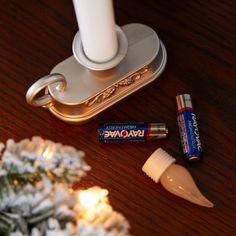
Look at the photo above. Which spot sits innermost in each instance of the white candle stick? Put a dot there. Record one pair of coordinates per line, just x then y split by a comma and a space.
97, 28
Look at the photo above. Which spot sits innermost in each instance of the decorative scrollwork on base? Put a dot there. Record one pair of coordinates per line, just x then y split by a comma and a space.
113, 89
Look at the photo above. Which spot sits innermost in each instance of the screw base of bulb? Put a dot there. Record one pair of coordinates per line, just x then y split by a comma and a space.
157, 163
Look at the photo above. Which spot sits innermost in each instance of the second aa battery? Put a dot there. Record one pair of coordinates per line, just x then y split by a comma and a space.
188, 128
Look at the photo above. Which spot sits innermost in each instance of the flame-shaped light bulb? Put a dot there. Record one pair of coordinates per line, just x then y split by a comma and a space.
174, 178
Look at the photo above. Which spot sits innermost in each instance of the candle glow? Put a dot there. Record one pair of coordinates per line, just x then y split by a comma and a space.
91, 197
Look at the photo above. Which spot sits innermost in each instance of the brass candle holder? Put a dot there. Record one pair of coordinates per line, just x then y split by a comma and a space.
77, 89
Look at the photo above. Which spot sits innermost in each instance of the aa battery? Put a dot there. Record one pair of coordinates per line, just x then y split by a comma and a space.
137, 131
188, 128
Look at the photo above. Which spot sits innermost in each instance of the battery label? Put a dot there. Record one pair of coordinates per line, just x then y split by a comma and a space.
123, 132
189, 133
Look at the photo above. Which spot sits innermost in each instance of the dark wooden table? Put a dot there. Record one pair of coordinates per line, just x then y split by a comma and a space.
200, 37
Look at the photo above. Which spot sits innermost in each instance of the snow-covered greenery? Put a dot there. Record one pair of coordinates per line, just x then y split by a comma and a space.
36, 197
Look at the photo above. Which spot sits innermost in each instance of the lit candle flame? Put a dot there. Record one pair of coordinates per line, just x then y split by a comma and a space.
92, 196
48, 152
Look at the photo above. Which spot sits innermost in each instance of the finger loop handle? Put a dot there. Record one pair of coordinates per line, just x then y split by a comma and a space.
43, 83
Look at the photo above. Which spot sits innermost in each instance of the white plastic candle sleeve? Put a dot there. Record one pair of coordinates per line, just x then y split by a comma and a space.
97, 29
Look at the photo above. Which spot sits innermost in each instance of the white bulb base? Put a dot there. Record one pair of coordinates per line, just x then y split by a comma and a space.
157, 163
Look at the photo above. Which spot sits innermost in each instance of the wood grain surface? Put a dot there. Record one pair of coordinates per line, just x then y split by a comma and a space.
200, 37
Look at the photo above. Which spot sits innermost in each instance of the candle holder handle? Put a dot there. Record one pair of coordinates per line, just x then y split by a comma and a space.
42, 84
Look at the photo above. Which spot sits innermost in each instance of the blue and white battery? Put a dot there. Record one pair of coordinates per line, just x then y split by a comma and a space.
188, 128
135, 131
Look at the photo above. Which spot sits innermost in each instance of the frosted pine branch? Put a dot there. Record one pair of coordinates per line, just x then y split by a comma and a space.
35, 198
26, 162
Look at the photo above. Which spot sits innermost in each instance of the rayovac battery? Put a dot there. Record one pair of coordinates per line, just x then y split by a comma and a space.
138, 131
188, 128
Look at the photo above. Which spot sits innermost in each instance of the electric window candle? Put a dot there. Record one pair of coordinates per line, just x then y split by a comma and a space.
97, 29
174, 178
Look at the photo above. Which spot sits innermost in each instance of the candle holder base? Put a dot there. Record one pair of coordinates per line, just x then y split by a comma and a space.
75, 94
